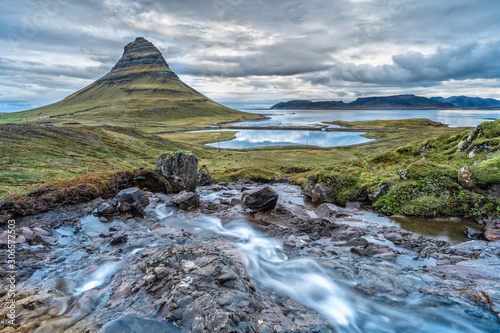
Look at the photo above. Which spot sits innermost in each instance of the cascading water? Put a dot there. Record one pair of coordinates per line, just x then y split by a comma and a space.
308, 283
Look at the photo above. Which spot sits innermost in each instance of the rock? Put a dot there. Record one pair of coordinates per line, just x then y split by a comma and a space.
235, 202
289, 244
382, 189
309, 186
27, 233
262, 200
103, 219
327, 210
131, 200
474, 134
321, 194
314, 236
106, 208
152, 181
464, 177
186, 200
474, 234
118, 240
492, 230
353, 205
403, 174
204, 178
180, 169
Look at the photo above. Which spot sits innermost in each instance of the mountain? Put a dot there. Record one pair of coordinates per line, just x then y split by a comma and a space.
141, 87
408, 102
469, 102
306, 105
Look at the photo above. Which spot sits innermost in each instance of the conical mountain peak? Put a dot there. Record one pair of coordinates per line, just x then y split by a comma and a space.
140, 87
140, 57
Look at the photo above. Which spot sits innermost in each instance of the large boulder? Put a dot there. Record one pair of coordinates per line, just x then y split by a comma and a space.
131, 200
186, 200
262, 200
180, 169
152, 180
309, 186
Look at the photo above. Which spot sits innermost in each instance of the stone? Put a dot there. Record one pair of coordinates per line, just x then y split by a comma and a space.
262, 200
180, 169
464, 177
118, 240
152, 181
473, 234
132, 201
321, 194
186, 200
27, 233
492, 230
382, 189
204, 178
309, 186
327, 210
106, 208
353, 205
289, 244
474, 134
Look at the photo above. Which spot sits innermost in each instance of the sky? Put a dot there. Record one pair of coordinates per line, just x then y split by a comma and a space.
255, 53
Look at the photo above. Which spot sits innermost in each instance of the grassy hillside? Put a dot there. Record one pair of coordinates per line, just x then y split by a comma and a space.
33, 154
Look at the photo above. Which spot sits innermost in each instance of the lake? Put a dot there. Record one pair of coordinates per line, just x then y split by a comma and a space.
259, 138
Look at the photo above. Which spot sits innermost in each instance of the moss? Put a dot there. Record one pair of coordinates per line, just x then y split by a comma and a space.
486, 173
491, 129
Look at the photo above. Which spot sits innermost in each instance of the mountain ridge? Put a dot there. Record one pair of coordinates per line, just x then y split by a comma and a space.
407, 102
469, 102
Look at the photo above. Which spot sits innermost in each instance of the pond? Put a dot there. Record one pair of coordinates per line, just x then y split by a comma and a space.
260, 138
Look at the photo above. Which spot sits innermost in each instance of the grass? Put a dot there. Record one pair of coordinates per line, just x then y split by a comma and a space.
426, 156
35, 154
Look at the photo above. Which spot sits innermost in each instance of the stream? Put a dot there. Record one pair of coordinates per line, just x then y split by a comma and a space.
133, 273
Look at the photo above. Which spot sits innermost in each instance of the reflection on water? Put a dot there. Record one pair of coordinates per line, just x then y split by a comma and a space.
454, 118
259, 138
450, 231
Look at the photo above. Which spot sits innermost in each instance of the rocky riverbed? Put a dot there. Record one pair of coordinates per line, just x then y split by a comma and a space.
223, 267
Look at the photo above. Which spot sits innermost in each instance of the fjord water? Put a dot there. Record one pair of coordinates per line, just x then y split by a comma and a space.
453, 118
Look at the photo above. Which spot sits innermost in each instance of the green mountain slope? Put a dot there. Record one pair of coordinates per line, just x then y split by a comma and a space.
139, 88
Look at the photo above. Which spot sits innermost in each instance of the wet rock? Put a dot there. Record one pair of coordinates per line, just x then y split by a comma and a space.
372, 250
103, 219
262, 200
328, 210
180, 169
106, 208
27, 233
321, 193
474, 234
362, 242
235, 202
131, 200
204, 178
314, 236
186, 200
122, 239
132, 324
492, 230
289, 244
352, 205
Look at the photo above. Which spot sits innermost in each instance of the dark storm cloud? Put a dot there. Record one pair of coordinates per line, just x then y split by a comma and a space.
469, 61
273, 47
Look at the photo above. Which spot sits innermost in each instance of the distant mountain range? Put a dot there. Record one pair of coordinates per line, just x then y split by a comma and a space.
469, 102
405, 102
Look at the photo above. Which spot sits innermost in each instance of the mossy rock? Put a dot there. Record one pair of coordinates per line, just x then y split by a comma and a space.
486, 173
491, 129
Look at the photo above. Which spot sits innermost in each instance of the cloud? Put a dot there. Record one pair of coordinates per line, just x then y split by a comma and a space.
272, 49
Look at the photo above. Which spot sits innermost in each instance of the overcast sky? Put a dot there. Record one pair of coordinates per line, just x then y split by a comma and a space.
254, 53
